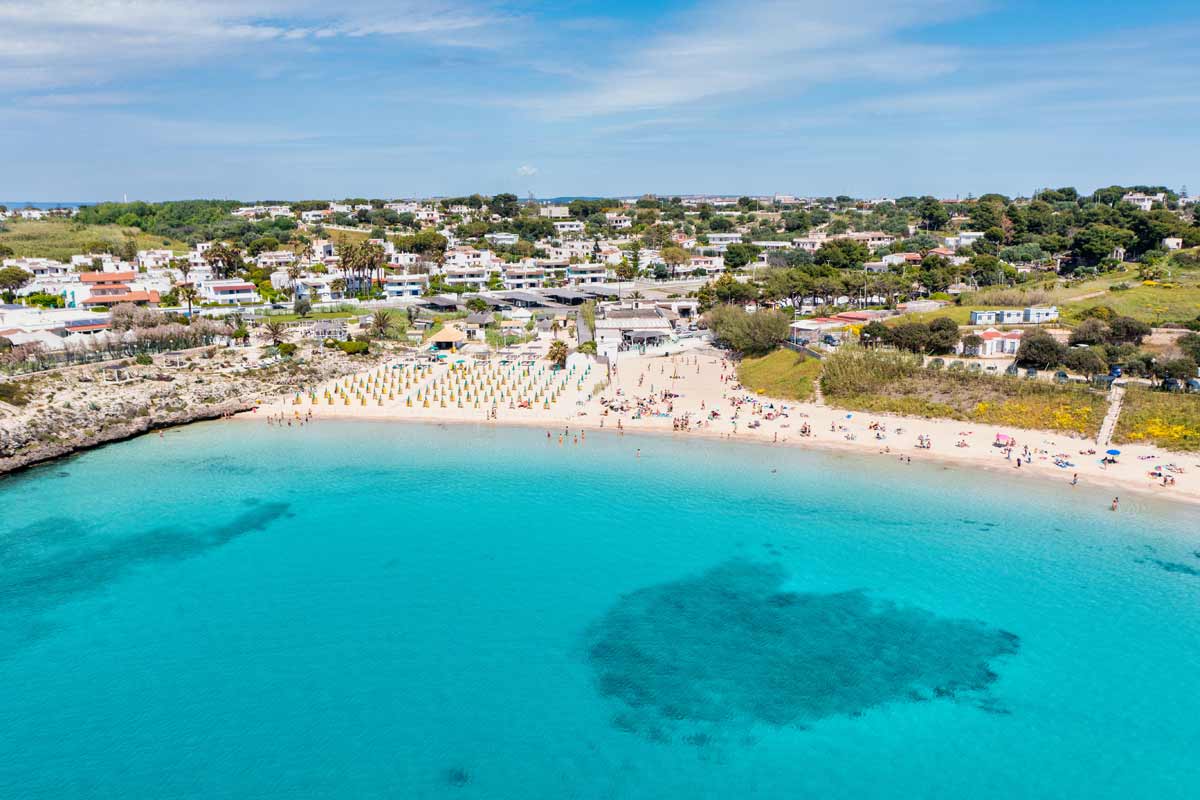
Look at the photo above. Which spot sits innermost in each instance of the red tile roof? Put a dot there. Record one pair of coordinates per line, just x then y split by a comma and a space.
106, 277
127, 297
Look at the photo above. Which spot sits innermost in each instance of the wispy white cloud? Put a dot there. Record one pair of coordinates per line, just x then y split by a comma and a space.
72, 100
47, 43
726, 48
527, 170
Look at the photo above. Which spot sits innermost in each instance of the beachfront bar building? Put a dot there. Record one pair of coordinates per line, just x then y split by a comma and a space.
636, 327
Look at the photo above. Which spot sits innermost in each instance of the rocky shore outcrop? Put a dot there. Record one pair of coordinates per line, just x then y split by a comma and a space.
55, 414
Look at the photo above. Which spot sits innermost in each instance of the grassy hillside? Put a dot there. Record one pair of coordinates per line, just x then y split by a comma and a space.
1154, 302
784, 374
61, 239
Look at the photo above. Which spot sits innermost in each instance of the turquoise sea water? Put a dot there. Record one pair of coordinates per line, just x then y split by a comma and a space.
370, 610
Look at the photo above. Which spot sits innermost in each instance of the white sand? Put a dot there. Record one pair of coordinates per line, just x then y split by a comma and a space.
703, 382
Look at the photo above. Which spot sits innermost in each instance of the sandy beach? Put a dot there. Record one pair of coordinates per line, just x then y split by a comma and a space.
698, 395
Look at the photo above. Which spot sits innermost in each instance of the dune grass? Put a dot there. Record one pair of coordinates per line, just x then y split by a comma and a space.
1165, 419
889, 382
61, 239
784, 373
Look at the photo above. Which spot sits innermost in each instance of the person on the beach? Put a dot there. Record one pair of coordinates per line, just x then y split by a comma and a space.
1075, 479
1116, 501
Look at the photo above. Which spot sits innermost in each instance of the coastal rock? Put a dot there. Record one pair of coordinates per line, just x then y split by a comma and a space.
74, 409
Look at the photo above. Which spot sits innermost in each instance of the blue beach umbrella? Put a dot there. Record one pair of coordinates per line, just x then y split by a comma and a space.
1113, 452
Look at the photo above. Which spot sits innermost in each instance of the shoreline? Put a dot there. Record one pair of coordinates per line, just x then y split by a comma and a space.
45, 455
948, 461
698, 394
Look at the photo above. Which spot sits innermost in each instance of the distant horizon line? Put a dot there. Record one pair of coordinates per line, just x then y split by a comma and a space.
11, 204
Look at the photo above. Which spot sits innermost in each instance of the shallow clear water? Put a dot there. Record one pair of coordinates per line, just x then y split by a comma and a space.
372, 610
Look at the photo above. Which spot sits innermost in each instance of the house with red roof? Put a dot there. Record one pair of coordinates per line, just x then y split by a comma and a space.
110, 288
995, 344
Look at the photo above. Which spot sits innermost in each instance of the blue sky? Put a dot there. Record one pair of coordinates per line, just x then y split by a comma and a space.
259, 99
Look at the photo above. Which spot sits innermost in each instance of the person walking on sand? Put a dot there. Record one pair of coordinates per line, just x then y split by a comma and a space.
1075, 479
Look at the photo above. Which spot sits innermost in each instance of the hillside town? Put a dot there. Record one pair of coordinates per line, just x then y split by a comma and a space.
833, 264
1035, 312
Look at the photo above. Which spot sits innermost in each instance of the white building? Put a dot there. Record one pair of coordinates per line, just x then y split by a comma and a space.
154, 259
724, 239
963, 239
320, 288
709, 264
40, 267
1143, 201
274, 259
622, 328
407, 285
572, 226
502, 239
586, 273
554, 212
475, 278
995, 344
523, 277
229, 292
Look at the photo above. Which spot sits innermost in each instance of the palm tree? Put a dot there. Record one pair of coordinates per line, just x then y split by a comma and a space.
184, 267
188, 294
277, 332
348, 258
558, 353
372, 259
294, 272
223, 258
381, 324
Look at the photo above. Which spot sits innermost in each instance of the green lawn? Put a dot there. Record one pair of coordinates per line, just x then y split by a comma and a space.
1152, 303
784, 374
960, 314
61, 239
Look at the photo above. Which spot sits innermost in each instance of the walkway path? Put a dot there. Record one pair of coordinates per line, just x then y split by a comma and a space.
1116, 397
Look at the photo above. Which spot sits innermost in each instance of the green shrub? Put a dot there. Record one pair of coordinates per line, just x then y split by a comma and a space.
144, 359
14, 393
287, 349
353, 348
